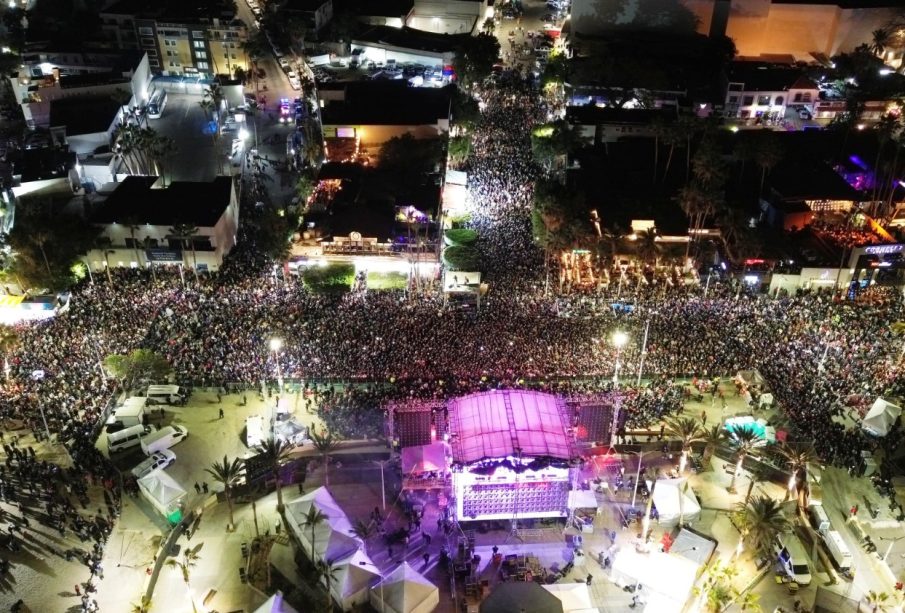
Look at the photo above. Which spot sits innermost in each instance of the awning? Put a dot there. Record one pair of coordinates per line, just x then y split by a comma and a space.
582, 499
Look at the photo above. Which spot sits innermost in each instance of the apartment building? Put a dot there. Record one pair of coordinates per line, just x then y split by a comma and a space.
179, 39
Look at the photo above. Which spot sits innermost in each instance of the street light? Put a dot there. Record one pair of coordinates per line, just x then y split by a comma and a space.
640, 455
644, 348
619, 340
275, 345
383, 489
382, 603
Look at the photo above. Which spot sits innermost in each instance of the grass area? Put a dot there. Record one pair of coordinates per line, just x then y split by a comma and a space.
387, 280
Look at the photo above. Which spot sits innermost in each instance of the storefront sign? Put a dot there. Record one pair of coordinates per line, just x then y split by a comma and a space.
164, 255
884, 249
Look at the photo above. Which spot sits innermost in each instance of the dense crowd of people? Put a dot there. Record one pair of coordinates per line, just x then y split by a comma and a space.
823, 359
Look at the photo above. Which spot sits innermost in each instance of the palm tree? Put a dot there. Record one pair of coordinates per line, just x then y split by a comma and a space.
648, 247
687, 431
133, 224
39, 238
228, 473
798, 457
142, 606
325, 445
328, 573
185, 234
214, 94
761, 521
9, 340
759, 473
613, 236
189, 560
767, 154
744, 441
364, 530
713, 437
313, 518
276, 453
878, 602
880, 41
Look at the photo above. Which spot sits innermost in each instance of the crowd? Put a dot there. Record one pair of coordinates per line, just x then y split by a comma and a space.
822, 358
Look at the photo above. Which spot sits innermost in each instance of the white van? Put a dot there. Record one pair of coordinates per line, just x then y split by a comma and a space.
130, 437
792, 558
163, 439
254, 431
819, 519
838, 549
164, 394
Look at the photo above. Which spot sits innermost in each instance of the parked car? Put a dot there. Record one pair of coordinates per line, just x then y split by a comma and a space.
285, 110
804, 114
156, 461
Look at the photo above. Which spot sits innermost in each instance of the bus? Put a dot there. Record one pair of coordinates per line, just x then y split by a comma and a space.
157, 103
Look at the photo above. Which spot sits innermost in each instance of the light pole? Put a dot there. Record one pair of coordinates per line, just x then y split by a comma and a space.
707, 285
275, 345
892, 541
619, 340
643, 349
640, 455
383, 489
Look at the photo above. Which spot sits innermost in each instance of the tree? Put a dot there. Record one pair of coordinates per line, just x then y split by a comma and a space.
719, 591
143, 605
648, 247
613, 237
880, 41
475, 58
687, 431
276, 453
185, 234
189, 560
761, 520
798, 457
139, 366
312, 519
304, 187
407, 158
328, 574
122, 98
488, 26
462, 258
744, 441
712, 437
214, 94
459, 149
228, 473
325, 445
879, 602
364, 530
767, 154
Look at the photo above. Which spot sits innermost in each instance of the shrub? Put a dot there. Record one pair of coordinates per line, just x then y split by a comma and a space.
460, 236
461, 258
337, 277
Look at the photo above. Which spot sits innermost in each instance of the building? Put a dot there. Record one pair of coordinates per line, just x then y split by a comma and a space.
607, 125
801, 190
349, 113
49, 76
393, 13
386, 44
137, 219
179, 38
760, 90
314, 13
449, 16
805, 29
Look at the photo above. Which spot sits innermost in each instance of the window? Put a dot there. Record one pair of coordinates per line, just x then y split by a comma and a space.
154, 63
806, 97
234, 56
202, 65
169, 43
779, 100
133, 243
763, 101
146, 31
747, 100
174, 64
798, 97
199, 44
733, 99
197, 34
147, 42
201, 55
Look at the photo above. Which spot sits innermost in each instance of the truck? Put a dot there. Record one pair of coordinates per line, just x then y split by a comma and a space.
832, 540
131, 413
164, 394
254, 431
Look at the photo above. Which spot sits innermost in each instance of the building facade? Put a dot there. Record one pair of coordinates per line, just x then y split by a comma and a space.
764, 91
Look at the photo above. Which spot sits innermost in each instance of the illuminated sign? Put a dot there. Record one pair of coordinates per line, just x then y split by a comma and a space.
884, 249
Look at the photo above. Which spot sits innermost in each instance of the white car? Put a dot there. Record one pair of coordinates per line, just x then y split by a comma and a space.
157, 461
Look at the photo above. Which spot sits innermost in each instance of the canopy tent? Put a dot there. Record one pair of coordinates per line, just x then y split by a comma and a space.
405, 590
290, 430
751, 378
424, 459
674, 498
582, 499
276, 604
667, 579
164, 494
881, 417
574, 596
332, 538
521, 596
354, 575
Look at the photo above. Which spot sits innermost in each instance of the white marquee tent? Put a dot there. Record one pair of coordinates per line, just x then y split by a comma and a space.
667, 579
673, 497
354, 575
574, 596
333, 538
881, 417
164, 493
405, 590
276, 604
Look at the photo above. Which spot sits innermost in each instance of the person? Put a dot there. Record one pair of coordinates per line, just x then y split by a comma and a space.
588, 580
221, 412
426, 557
197, 487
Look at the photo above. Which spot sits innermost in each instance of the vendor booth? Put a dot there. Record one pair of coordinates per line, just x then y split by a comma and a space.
354, 576
405, 590
675, 502
164, 494
881, 417
332, 538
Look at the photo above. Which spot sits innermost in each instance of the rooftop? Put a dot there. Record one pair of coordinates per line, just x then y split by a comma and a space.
799, 179
122, 61
137, 201
590, 114
764, 77
409, 38
495, 424
399, 105
381, 8
191, 11
83, 114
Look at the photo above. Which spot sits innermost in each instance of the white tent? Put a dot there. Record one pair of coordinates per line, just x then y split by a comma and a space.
574, 596
163, 493
405, 590
333, 538
881, 417
674, 497
276, 604
750, 378
425, 459
354, 575
667, 579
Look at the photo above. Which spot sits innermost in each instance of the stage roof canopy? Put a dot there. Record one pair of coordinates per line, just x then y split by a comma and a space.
494, 424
